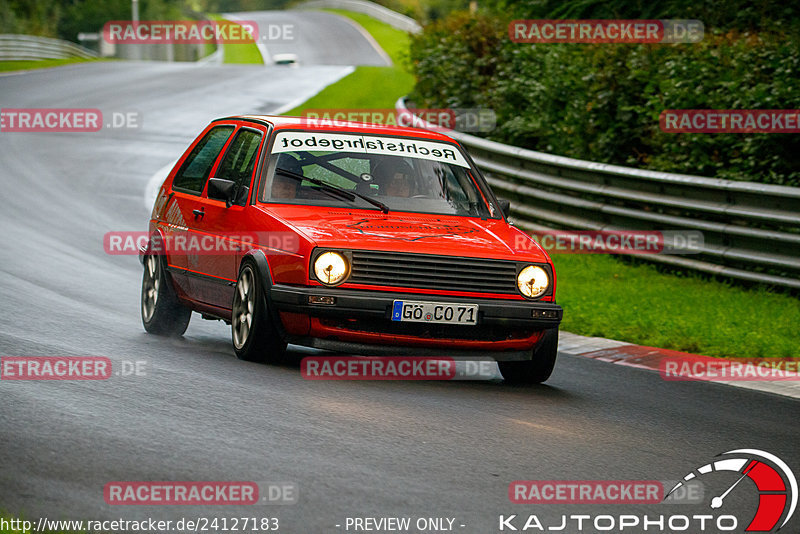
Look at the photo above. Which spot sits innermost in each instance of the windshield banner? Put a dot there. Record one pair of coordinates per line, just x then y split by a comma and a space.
366, 144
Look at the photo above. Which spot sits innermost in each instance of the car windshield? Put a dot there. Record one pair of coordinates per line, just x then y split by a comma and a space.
398, 174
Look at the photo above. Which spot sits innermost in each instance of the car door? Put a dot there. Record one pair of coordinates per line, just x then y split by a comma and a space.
220, 229
187, 186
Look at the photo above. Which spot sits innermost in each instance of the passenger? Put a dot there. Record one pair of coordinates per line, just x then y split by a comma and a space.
285, 187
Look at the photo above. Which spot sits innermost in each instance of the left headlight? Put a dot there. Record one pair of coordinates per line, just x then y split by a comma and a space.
331, 268
533, 281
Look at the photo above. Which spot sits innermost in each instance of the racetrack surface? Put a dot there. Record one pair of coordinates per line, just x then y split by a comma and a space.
355, 449
315, 38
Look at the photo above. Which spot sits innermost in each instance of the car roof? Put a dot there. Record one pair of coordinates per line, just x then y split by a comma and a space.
280, 122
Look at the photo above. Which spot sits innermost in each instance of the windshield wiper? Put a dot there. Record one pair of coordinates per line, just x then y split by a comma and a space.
343, 193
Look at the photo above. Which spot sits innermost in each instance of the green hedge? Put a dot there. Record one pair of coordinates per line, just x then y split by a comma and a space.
602, 102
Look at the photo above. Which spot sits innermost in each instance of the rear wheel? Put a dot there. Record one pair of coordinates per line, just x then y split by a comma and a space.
255, 338
538, 369
162, 312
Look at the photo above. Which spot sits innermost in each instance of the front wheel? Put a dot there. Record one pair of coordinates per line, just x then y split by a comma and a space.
538, 369
162, 312
255, 338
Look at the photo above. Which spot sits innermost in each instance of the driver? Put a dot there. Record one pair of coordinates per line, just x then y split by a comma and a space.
394, 178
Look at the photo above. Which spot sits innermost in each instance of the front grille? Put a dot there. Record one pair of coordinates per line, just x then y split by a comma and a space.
424, 271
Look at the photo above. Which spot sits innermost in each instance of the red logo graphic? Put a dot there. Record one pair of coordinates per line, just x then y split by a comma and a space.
180, 31
383, 368
55, 368
585, 491
730, 121
774, 481
181, 493
50, 120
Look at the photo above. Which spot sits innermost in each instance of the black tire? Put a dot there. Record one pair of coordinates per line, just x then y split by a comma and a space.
253, 332
538, 369
162, 312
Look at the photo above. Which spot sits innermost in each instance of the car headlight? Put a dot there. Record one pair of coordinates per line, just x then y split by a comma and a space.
331, 268
532, 281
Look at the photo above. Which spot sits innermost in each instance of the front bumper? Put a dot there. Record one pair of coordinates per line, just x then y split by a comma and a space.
360, 321
354, 303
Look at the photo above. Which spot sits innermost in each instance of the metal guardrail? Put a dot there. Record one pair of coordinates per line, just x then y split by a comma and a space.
30, 47
751, 231
377, 11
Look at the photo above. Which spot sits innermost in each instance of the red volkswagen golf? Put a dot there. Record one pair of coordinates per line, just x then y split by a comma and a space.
348, 237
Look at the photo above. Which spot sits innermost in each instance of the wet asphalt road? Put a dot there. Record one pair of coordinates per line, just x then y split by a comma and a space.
354, 449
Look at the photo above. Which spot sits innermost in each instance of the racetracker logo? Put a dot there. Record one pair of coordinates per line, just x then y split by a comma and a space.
61, 120
774, 482
585, 491
200, 244
730, 121
441, 120
396, 368
200, 493
387, 368
606, 31
613, 242
55, 368
180, 31
68, 368
720, 370
771, 485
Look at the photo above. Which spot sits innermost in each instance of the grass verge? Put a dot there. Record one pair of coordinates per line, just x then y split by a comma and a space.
601, 295
638, 303
11, 66
239, 53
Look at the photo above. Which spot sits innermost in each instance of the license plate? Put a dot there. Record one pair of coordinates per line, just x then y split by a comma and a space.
413, 311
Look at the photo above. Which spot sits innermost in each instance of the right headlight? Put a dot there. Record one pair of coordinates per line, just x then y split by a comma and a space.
533, 281
331, 268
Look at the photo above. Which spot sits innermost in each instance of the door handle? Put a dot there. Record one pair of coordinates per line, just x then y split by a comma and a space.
199, 213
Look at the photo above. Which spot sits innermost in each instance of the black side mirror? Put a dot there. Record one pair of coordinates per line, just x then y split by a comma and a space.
242, 196
220, 189
505, 206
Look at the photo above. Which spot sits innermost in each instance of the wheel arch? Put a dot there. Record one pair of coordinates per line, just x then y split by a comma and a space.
258, 257
155, 234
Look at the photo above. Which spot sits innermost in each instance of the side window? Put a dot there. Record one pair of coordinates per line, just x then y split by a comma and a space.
193, 173
239, 161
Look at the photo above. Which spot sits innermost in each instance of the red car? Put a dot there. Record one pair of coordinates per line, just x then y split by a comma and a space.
349, 237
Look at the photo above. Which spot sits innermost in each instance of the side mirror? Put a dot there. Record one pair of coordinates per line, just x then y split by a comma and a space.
242, 196
505, 206
220, 189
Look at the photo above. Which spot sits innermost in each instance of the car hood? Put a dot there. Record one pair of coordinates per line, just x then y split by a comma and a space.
410, 232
